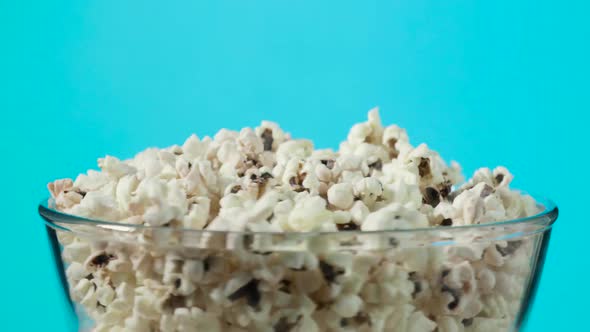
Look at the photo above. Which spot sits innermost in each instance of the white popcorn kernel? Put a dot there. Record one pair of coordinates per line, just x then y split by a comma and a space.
459, 291
469, 206
141, 262
229, 153
59, 186
311, 183
340, 195
75, 272
530, 207
183, 286
347, 306
194, 270
399, 192
182, 166
193, 183
348, 162
374, 121
486, 281
126, 186
323, 173
145, 308
198, 213
449, 324
67, 200
110, 321
372, 156
358, 212
393, 134
299, 149
196, 320
508, 285
307, 324
400, 318
226, 135
496, 305
168, 323
359, 133
166, 157
250, 144
137, 323
124, 292
65, 238
502, 176
271, 276
230, 201
89, 298
418, 322
351, 176
323, 189
351, 283
114, 167
341, 217
105, 295
493, 257
308, 214
98, 204
283, 207
81, 288
368, 190
208, 175
91, 181
194, 148
293, 260
470, 253
305, 305
76, 252
394, 216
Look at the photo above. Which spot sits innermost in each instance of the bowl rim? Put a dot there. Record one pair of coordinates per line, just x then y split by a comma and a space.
57, 219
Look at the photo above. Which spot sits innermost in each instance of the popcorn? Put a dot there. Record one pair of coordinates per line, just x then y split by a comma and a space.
198, 213
394, 216
91, 181
340, 195
214, 255
105, 295
391, 136
114, 167
359, 212
57, 187
77, 251
193, 148
369, 190
347, 306
406, 319
449, 324
309, 214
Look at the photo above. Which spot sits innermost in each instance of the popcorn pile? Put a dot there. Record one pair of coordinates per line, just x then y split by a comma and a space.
262, 180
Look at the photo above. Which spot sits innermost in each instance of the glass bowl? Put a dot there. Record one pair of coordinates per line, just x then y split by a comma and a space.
123, 277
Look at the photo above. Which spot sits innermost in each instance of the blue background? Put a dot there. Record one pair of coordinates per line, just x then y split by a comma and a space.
483, 82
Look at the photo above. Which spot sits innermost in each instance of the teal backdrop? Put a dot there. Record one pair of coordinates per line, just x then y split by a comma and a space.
484, 82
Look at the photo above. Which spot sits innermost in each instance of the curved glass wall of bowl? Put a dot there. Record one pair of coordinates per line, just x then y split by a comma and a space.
121, 276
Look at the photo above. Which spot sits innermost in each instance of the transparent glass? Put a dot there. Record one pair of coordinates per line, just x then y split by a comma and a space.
122, 277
